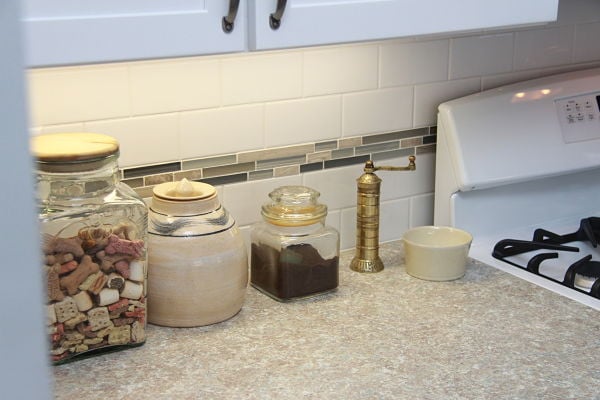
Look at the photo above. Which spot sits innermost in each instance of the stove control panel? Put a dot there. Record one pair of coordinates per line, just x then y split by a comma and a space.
579, 117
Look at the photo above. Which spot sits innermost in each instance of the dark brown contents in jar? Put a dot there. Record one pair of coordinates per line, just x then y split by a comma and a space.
297, 271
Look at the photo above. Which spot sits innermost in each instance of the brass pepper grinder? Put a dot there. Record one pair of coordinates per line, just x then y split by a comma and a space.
367, 258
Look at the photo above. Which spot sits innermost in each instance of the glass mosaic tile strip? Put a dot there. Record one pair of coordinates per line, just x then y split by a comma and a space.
134, 182
192, 175
377, 147
280, 162
411, 142
342, 153
285, 161
288, 170
430, 148
386, 137
429, 139
316, 166
151, 170
276, 153
157, 179
386, 155
342, 162
223, 180
231, 169
329, 145
350, 142
262, 174
209, 162
320, 156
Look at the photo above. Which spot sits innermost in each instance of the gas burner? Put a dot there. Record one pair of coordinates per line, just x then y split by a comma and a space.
582, 275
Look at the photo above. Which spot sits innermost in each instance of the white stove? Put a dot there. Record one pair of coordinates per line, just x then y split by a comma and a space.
524, 157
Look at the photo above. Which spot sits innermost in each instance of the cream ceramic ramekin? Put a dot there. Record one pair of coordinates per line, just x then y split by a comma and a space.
436, 253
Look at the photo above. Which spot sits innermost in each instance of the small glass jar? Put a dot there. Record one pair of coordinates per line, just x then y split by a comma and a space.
94, 246
294, 254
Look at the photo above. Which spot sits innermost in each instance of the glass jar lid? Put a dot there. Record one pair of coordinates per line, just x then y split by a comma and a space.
73, 152
294, 206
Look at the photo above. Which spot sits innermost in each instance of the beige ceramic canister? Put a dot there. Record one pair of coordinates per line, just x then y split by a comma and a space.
197, 259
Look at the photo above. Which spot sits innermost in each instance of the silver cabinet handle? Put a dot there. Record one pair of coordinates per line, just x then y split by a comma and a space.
275, 18
228, 20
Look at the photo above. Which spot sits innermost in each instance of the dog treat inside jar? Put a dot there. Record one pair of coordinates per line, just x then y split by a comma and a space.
294, 254
93, 246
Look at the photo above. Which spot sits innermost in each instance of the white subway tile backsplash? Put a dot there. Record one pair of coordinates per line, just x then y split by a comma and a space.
410, 63
377, 111
404, 184
543, 47
63, 95
348, 228
168, 86
333, 219
336, 185
306, 112
246, 231
429, 96
489, 82
396, 220
481, 55
305, 120
587, 43
221, 130
421, 210
261, 77
134, 134
340, 70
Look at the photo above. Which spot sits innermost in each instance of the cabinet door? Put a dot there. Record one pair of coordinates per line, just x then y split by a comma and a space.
312, 22
75, 32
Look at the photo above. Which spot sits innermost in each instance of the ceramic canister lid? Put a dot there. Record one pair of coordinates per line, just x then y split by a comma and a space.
184, 198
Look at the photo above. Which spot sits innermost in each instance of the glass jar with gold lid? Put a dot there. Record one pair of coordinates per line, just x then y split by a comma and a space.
294, 254
94, 230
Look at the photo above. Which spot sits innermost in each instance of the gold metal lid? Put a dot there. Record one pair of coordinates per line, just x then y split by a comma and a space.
294, 206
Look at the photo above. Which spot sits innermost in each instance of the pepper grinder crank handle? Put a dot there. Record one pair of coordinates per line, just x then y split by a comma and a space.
367, 258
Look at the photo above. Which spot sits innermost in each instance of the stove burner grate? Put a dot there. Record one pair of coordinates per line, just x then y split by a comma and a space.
584, 270
589, 231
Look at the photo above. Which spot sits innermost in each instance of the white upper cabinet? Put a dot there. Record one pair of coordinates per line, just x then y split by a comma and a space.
313, 22
62, 32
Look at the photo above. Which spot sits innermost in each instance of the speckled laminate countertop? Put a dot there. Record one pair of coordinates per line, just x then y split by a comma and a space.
379, 336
